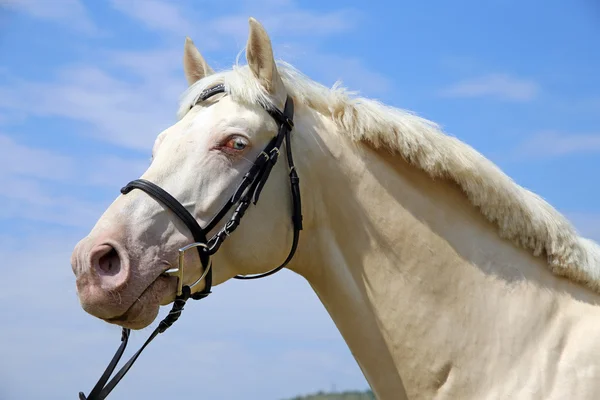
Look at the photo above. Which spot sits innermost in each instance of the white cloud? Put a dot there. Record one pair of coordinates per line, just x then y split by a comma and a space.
286, 23
329, 68
71, 13
553, 144
28, 177
353, 73
460, 64
149, 64
114, 172
29, 200
156, 15
21, 162
117, 111
500, 86
282, 18
17, 159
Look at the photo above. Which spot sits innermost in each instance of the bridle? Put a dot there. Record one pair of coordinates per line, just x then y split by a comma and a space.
248, 191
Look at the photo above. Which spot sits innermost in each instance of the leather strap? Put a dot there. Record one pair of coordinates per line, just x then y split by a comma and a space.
102, 389
285, 120
162, 196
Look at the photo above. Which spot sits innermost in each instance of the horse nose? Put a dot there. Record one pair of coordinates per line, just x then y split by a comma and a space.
102, 274
108, 265
105, 260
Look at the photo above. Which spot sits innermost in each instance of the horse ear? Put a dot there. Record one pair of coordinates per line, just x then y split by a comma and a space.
259, 54
194, 65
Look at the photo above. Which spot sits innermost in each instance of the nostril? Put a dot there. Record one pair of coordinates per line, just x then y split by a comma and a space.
106, 260
110, 264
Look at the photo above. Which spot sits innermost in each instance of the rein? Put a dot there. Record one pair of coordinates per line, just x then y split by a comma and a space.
247, 192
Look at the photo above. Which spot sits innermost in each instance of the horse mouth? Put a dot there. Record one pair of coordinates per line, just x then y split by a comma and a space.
145, 308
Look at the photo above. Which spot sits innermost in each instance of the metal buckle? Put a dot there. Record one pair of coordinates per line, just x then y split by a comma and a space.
179, 271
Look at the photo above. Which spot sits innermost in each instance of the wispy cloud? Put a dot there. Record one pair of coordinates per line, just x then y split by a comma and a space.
113, 172
499, 86
29, 200
152, 65
353, 72
554, 144
19, 160
115, 110
28, 176
156, 14
289, 22
282, 18
71, 13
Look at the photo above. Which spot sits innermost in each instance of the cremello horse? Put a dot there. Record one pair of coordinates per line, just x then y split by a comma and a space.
446, 279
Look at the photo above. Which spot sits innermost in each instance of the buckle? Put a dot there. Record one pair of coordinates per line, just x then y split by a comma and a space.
179, 271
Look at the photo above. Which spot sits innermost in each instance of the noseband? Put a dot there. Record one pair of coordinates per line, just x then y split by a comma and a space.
248, 191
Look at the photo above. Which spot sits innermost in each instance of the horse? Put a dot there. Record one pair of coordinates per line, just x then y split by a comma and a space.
445, 278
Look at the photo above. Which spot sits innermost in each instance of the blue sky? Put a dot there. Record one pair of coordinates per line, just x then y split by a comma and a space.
85, 87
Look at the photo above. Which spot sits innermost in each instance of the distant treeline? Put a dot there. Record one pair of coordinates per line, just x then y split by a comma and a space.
353, 395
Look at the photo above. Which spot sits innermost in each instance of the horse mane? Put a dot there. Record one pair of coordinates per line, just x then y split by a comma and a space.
520, 215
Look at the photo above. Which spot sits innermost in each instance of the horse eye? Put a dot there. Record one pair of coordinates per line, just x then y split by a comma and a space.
236, 143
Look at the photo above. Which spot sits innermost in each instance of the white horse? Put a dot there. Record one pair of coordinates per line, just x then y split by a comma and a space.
446, 279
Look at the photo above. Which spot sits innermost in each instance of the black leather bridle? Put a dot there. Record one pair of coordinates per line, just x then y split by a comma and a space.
248, 191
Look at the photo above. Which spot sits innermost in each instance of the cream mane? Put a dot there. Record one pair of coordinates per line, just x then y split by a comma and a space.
520, 215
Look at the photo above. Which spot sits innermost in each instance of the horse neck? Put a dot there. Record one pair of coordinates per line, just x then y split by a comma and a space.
416, 280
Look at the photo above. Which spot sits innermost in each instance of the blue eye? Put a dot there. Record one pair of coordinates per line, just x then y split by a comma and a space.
236, 143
